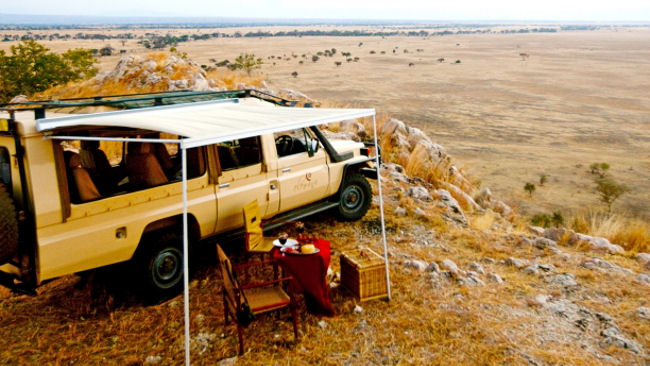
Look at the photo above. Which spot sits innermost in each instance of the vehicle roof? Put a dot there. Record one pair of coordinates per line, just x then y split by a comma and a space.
203, 123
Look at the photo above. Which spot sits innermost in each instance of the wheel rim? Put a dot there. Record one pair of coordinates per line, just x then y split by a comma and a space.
166, 268
352, 198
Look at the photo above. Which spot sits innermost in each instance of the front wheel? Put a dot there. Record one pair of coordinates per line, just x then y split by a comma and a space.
160, 266
354, 198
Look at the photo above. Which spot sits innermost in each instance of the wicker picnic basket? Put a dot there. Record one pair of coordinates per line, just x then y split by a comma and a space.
363, 274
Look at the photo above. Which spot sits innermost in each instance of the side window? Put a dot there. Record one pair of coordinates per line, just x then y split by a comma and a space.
5, 167
239, 153
294, 142
98, 170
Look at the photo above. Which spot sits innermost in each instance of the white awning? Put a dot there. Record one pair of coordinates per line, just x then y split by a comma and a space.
205, 123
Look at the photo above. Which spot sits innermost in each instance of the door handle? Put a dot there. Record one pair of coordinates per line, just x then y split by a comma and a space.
224, 185
285, 170
273, 186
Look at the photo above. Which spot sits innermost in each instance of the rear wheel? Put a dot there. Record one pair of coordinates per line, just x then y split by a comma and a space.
160, 265
354, 198
8, 226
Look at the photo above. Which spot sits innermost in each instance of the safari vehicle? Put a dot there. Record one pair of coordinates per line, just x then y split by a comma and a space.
71, 204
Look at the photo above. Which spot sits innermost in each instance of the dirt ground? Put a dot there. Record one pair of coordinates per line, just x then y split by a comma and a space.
578, 97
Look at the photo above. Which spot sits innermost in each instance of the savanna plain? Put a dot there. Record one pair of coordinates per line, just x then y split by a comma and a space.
482, 289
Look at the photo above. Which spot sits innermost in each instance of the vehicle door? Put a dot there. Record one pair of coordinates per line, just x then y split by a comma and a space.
244, 177
303, 174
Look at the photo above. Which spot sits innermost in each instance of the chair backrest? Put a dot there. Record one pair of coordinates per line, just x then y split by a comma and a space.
253, 226
230, 284
143, 166
81, 184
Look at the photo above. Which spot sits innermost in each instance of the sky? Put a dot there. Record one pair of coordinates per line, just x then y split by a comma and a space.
581, 10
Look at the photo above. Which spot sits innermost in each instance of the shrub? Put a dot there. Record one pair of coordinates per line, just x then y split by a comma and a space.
530, 188
314, 58
31, 68
337, 63
247, 62
599, 169
542, 179
294, 74
609, 190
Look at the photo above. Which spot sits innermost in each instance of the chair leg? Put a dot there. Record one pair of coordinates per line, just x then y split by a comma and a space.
225, 311
240, 334
294, 317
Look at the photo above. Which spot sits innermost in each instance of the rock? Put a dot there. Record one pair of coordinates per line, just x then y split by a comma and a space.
202, 341
419, 212
416, 264
228, 361
451, 266
539, 300
531, 270
601, 265
537, 230
153, 360
564, 279
546, 267
643, 278
200, 319
471, 280
568, 237
322, 324
468, 200
613, 337
601, 244
399, 211
485, 200
487, 260
433, 267
518, 263
495, 278
544, 243
358, 309
450, 202
643, 313
477, 267
643, 258
419, 193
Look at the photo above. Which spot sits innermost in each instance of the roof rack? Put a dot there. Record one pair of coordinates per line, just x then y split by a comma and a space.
141, 100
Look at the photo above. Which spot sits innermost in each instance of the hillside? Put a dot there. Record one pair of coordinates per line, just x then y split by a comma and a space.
473, 282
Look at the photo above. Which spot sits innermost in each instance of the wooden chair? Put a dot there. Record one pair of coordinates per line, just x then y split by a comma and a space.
255, 240
260, 297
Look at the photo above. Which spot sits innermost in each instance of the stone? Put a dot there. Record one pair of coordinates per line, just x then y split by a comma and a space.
416, 264
495, 278
643, 313
540, 300
477, 267
564, 279
358, 309
451, 266
470, 280
488, 260
322, 324
518, 263
568, 237
537, 230
544, 243
419, 193
601, 244
433, 267
531, 270
153, 360
399, 211
450, 201
643, 278
228, 361
546, 267
601, 265
643, 258
613, 337
419, 212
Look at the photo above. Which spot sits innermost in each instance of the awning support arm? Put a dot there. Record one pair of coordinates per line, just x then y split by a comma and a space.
381, 208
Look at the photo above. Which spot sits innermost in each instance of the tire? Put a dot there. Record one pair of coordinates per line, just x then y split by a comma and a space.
8, 226
354, 198
159, 265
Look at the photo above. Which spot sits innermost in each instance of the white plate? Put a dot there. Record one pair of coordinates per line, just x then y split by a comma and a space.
290, 243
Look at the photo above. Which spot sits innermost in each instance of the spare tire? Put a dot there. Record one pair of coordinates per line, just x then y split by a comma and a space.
8, 226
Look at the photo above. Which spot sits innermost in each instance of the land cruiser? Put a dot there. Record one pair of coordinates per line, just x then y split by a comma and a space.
69, 205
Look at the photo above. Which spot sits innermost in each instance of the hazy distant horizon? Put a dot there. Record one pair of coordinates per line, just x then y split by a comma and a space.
344, 10
7, 19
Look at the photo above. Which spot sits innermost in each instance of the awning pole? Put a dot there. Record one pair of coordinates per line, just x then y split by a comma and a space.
381, 207
186, 272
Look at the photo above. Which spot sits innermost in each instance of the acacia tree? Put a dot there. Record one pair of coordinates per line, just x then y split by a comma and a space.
247, 62
530, 188
31, 68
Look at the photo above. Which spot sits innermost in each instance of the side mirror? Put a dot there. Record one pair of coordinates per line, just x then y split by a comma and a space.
313, 148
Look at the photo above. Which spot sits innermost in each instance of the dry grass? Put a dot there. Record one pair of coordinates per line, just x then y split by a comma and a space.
632, 233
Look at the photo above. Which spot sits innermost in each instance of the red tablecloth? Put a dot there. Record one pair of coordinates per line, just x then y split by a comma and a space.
310, 276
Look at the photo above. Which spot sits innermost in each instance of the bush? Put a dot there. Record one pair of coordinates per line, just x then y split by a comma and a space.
247, 62
314, 58
609, 190
530, 188
294, 74
31, 68
337, 63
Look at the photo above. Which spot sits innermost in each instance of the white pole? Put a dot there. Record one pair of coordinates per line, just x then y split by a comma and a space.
381, 207
186, 274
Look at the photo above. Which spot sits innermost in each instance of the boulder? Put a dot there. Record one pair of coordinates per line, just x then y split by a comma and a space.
416, 264
563, 279
600, 244
563, 235
644, 279
451, 266
544, 243
419, 193
601, 265
643, 258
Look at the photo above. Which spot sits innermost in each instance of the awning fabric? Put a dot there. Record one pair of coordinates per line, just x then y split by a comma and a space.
209, 122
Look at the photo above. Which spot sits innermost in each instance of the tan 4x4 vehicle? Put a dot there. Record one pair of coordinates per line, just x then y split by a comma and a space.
70, 205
